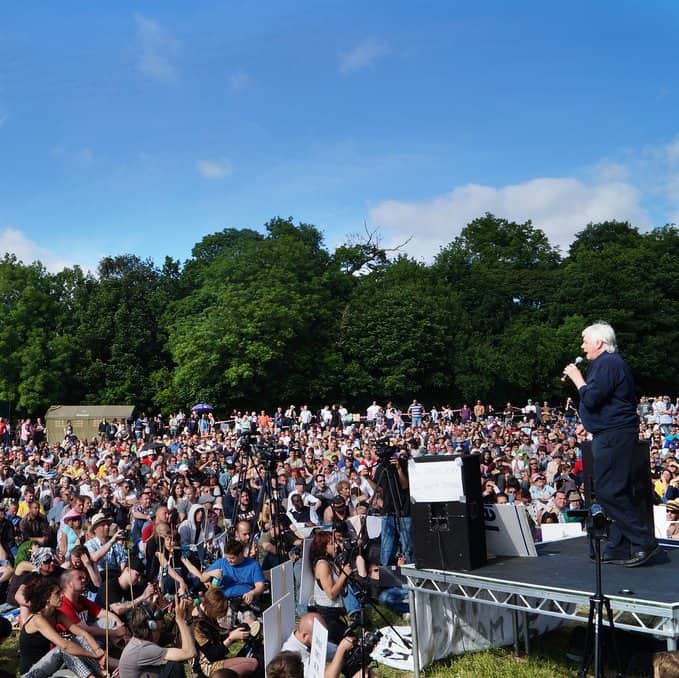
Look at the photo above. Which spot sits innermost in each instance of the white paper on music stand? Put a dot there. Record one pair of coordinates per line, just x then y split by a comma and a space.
436, 480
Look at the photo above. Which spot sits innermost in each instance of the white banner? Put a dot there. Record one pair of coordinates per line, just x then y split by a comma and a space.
279, 622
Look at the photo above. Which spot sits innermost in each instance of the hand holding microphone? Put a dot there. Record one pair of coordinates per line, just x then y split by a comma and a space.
574, 364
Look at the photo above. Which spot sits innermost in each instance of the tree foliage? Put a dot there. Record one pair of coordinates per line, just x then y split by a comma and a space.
262, 317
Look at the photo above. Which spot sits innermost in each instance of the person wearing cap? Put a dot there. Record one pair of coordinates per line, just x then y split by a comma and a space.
672, 515
106, 551
70, 532
308, 499
43, 564
539, 490
608, 411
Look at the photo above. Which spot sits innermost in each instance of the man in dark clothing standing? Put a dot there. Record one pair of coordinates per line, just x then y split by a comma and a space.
608, 410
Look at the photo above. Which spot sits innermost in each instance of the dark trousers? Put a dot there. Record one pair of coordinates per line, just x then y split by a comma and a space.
612, 453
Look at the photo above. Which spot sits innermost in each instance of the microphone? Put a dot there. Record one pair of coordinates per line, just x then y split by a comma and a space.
577, 361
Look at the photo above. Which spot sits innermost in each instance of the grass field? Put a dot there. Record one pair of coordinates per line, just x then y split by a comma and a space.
495, 663
547, 660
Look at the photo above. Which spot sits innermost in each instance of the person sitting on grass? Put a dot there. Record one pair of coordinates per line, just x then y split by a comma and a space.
143, 656
42, 649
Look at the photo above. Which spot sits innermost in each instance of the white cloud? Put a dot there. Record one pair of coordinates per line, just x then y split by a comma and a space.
559, 206
239, 81
13, 241
362, 55
80, 156
157, 49
672, 151
211, 169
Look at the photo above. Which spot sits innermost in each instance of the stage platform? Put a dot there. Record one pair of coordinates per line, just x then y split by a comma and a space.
559, 583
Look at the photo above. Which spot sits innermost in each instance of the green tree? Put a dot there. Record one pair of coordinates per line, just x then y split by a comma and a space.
257, 319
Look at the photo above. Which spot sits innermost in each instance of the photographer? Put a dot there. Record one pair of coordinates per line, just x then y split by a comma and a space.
213, 641
143, 656
329, 583
105, 551
392, 488
300, 643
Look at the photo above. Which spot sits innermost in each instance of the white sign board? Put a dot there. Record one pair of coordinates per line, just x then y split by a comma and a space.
319, 644
306, 586
279, 623
436, 480
660, 521
282, 581
558, 531
508, 531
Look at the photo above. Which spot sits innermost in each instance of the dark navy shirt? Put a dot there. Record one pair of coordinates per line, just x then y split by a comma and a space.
608, 400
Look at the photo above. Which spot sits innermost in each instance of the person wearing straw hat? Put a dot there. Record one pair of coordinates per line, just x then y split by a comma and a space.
672, 511
70, 532
106, 551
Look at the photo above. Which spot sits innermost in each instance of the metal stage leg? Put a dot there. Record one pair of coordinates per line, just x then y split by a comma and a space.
671, 644
526, 635
515, 628
413, 627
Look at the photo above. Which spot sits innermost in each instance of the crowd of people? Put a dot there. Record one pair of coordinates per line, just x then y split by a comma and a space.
186, 515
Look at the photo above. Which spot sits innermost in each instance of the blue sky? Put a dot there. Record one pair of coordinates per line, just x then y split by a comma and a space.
141, 127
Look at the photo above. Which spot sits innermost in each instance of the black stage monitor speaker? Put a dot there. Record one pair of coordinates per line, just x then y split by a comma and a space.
450, 535
642, 489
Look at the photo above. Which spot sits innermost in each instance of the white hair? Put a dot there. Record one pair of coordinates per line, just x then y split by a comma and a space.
603, 332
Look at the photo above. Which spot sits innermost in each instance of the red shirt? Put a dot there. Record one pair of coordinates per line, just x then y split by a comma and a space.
78, 612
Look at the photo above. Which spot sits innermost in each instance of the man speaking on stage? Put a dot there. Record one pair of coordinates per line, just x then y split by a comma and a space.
608, 410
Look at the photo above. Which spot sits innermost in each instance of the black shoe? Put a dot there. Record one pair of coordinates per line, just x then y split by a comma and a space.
642, 557
611, 559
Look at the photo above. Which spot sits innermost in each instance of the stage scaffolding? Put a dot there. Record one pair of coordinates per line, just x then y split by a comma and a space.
656, 618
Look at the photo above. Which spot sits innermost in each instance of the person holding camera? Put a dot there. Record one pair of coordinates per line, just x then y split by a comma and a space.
144, 657
300, 641
213, 641
330, 582
106, 551
392, 488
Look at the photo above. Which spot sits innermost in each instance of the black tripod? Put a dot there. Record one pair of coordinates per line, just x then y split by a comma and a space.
366, 640
597, 529
386, 478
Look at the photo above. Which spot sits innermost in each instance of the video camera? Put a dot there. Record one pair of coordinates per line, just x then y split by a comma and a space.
359, 657
596, 520
384, 447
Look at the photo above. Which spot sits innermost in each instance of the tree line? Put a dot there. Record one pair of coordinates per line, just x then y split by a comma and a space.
257, 319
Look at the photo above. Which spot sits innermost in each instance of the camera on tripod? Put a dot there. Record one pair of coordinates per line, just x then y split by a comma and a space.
597, 522
385, 449
359, 657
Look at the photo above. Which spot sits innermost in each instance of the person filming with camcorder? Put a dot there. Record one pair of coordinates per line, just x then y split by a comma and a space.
393, 493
